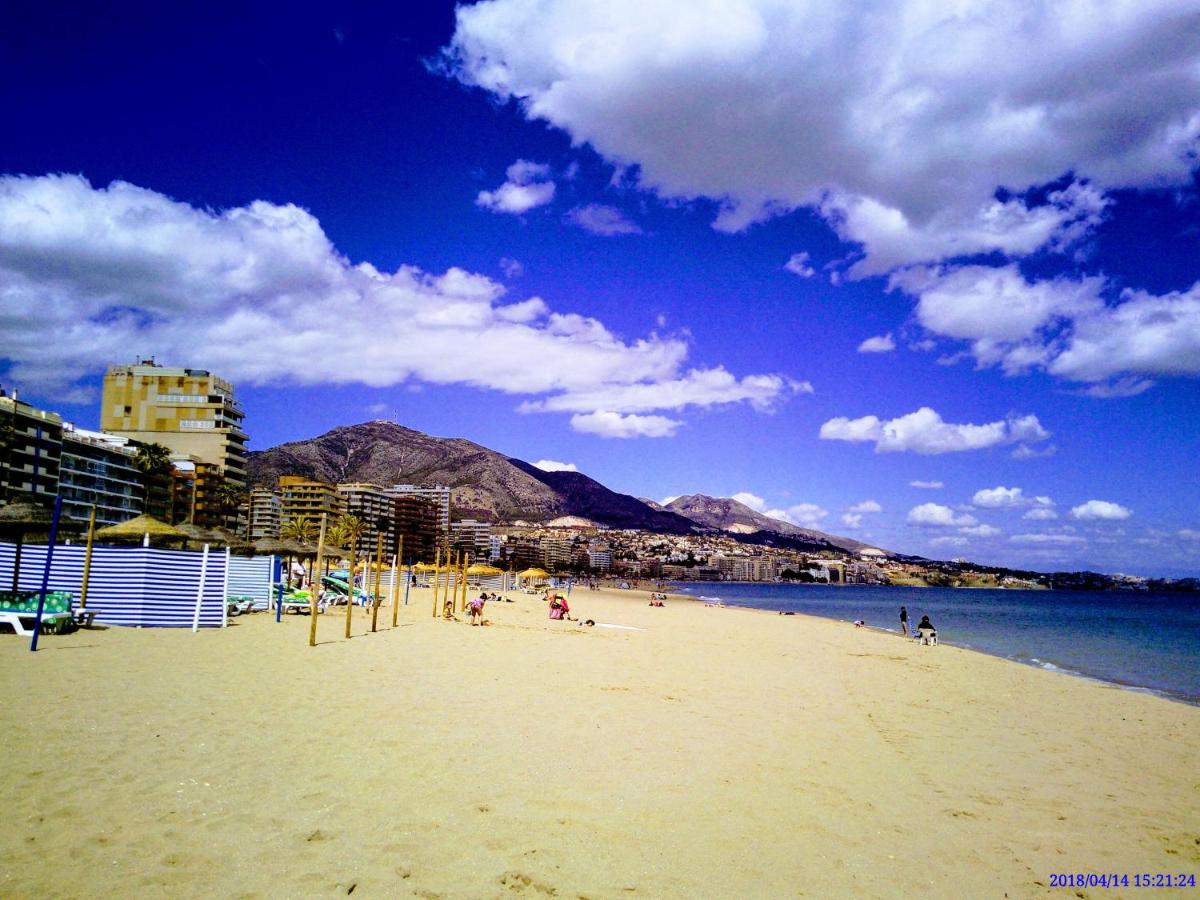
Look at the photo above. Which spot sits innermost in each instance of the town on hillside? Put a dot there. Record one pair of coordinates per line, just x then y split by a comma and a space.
171, 445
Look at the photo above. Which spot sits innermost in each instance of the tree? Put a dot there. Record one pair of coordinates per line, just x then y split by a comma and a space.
153, 461
302, 529
227, 497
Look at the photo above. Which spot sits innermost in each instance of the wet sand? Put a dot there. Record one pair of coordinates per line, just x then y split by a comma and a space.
718, 752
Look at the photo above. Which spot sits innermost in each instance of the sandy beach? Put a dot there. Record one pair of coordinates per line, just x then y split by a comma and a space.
716, 752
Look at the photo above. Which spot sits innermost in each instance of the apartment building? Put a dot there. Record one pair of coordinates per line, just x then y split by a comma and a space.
438, 495
192, 412
30, 449
471, 536
264, 513
303, 497
98, 470
376, 510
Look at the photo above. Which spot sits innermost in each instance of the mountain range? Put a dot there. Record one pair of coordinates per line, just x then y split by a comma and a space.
492, 487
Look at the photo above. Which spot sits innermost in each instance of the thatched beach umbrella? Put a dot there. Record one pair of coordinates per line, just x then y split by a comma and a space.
533, 573
19, 519
137, 529
483, 569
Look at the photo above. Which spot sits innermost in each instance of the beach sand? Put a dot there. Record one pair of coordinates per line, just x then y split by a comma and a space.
717, 753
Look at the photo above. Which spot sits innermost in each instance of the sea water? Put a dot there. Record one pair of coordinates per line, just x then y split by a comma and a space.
1136, 639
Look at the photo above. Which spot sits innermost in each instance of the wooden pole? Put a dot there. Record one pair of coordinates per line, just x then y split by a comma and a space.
378, 575
315, 589
462, 603
437, 561
398, 559
87, 559
350, 586
450, 572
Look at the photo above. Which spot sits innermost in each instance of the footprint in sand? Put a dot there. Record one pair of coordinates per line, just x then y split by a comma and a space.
519, 883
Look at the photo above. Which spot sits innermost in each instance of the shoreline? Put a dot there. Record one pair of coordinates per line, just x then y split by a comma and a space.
704, 755
1167, 693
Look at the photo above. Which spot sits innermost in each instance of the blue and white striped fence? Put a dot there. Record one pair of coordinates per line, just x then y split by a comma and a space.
141, 585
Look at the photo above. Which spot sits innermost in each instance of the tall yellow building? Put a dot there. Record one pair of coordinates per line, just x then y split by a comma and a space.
190, 411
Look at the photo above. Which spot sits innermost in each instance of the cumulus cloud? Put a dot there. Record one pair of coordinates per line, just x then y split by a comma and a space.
924, 432
934, 515
867, 506
805, 515
980, 530
927, 485
949, 541
528, 186
1060, 325
886, 123
852, 520
1063, 539
608, 424
755, 502
86, 274
698, 387
998, 497
1040, 514
1100, 509
606, 221
798, 264
553, 465
883, 343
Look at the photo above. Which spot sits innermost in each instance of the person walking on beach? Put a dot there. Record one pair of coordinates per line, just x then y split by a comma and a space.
904, 621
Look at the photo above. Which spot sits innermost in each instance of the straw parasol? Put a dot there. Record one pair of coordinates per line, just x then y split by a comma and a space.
424, 567
138, 528
22, 517
483, 569
534, 573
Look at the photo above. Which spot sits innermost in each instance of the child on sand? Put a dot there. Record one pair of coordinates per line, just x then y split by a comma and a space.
476, 609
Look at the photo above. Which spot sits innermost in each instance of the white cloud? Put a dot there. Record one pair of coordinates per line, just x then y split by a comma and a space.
980, 530
1189, 534
867, 506
666, 501
1100, 509
606, 221
852, 520
1024, 451
934, 515
553, 465
927, 485
883, 343
890, 239
1144, 334
1047, 539
883, 120
805, 515
528, 186
798, 264
949, 541
1060, 325
755, 502
1040, 514
511, 268
86, 274
999, 498
924, 432
698, 387
377, 409
614, 425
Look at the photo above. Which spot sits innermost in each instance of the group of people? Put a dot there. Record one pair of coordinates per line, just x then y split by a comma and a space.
924, 630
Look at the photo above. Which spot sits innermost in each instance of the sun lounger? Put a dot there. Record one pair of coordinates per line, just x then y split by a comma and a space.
19, 610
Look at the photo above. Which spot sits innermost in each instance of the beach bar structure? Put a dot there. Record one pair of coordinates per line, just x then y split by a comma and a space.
146, 586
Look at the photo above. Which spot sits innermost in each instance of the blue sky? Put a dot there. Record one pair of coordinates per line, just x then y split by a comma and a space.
810, 257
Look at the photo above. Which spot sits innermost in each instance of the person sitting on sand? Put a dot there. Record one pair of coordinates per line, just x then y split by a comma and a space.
927, 632
448, 610
476, 609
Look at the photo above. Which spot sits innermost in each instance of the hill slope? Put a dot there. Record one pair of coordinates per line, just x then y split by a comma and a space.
485, 484
730, 515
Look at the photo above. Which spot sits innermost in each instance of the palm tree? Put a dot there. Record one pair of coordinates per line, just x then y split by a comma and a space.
153, 461
301, 528
227, 497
